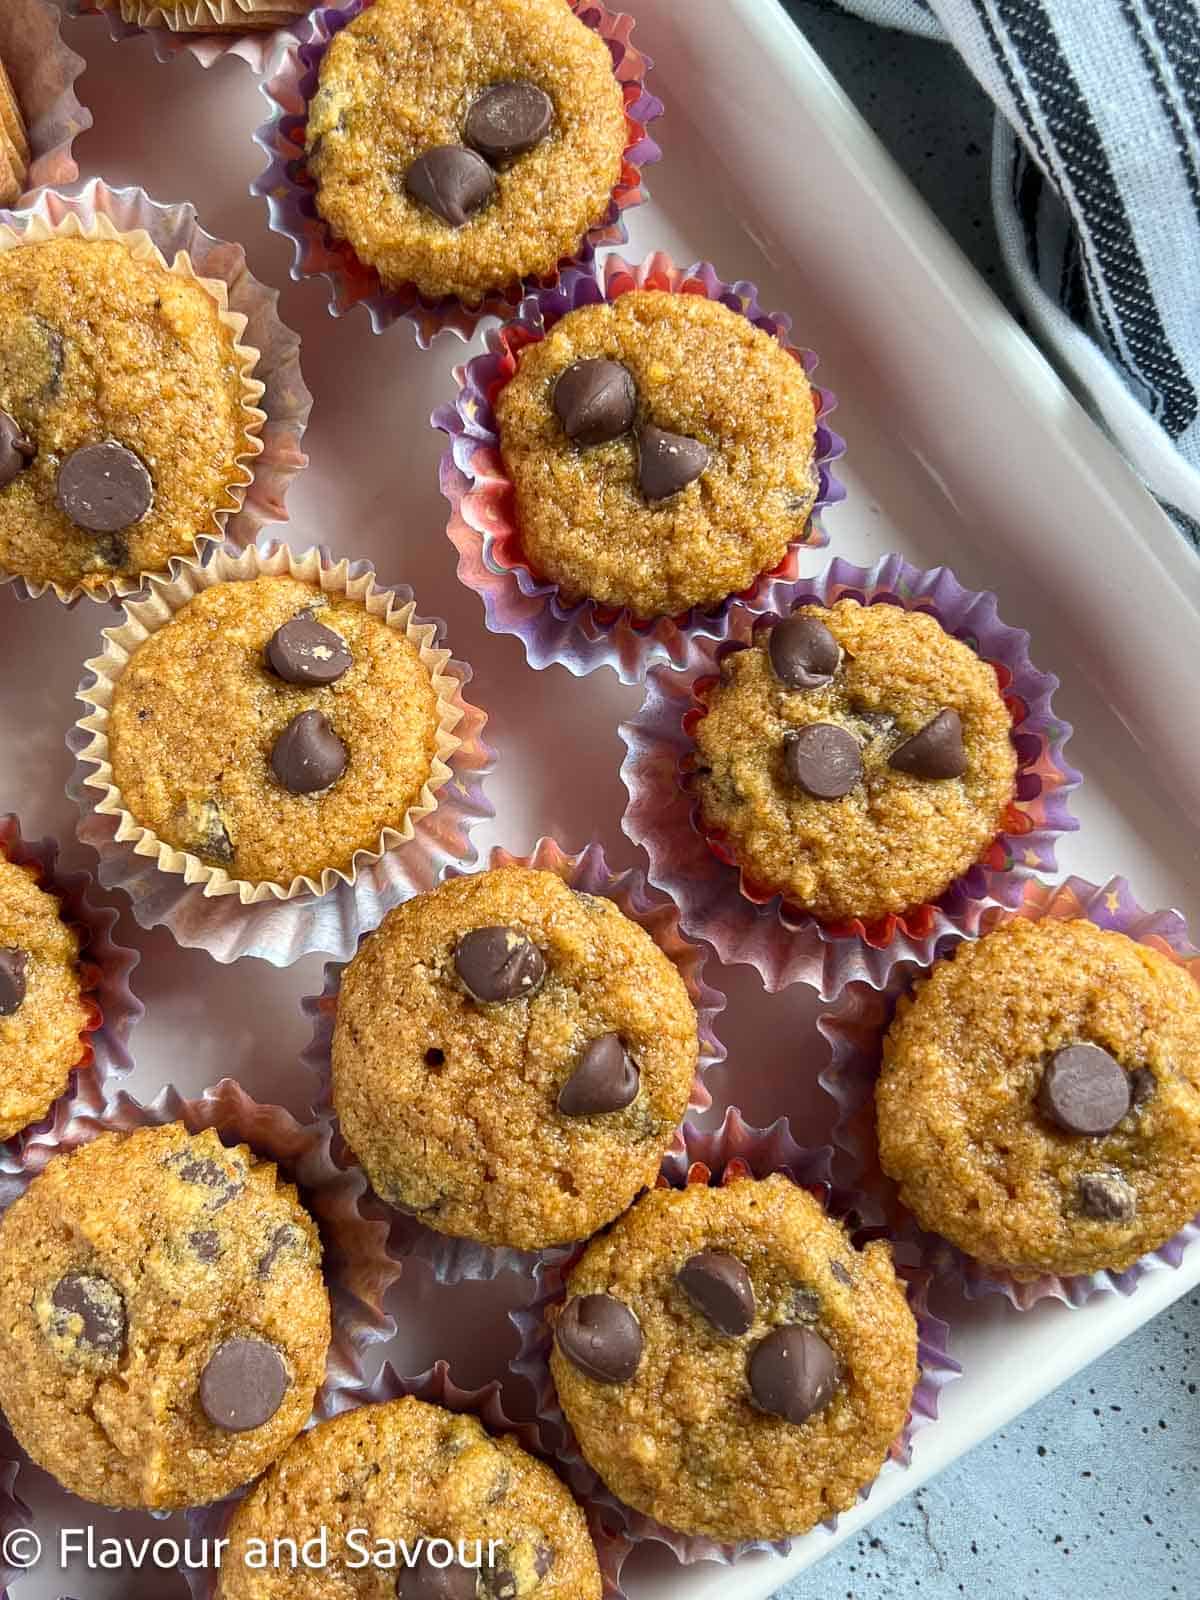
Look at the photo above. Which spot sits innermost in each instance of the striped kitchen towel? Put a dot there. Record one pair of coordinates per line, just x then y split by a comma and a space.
1096, 189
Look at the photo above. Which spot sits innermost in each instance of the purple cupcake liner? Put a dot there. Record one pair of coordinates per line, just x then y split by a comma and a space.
105, 968
700, 1156
435, 1387
15, 1516
291, 194
854, 1030
482, 527
43, 71
256, 47
456, 1260
785, 944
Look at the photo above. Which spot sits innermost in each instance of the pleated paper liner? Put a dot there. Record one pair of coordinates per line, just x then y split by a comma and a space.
43, 70
104, 970
216, 28
455, 1260
290, 191
201, 904
483, 527
15, 1517
855, 1027
435, 1387
716, 1156
275, 402
785, 944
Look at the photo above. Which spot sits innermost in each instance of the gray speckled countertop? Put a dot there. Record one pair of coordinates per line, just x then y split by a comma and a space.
1093, 1493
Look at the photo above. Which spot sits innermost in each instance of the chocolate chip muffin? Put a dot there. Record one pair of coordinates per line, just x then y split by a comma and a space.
126, 413
164, 1321
462, 145
855, 760
1039, 1103
730, 1364
511, 1058
273, 730
42, 1013
661, 451
458, 1514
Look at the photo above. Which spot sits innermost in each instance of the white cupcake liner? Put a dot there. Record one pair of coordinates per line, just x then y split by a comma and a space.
43, 71
257, 47
275, 399
855, 1027
202, 905
455, 1260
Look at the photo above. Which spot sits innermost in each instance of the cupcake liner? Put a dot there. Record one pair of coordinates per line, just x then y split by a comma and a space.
290, 192
358, 1271
14, 1515
733, 1150
256, 48
855, 1028
454, 1260
104, 965
786, 944
435, 1387
202, 905
482, 523
43, 71
275, 399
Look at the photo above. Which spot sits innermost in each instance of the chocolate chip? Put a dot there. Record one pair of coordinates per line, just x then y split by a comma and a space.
308, 757
793, 1374
600, 1335
806, 1305
98, 1305
212, 841
803, 652
1084, 1091
543, 1560
499, 964
595, 401
13, 964
823, 760
1107, 1198
1142, 1085
840, 1273
16, 450
207, 1174
206, 1244
668, 462
104, 487
498, 1582
719, 1286
452, 182
606, 1079
243, 1385
509, 119
303, 650
935, 752
284, 1238
424, 1581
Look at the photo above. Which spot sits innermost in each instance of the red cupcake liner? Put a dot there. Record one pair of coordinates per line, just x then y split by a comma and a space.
734, 1150
785, 944
290, 192
483, 528
855, 1028
455, 1260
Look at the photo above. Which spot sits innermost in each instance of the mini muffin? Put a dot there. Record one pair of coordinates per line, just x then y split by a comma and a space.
1039, 1103
164, 1321
42, 1014
462, 145
416, 1502
730, 1364
124, 419
208, 16
511, 1058
661, 451
15, 152
855, 760
273, 730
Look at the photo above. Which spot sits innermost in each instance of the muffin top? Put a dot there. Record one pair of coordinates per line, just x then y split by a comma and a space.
461, 145
730, 1364
661, 452
122, 421
405, 1479
164, 1322
510, 1058
1039, 1103
273, 730
855, 760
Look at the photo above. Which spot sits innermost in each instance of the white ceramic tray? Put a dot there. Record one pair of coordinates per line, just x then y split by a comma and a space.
964, 448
